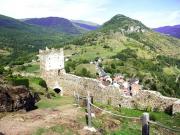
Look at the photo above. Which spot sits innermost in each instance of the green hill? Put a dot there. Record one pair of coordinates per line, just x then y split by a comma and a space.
122, 23
129, 47
21, 40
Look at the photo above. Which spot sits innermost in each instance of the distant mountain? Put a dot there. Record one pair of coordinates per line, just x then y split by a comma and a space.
55, 23
86, 25
8, 22
169, 30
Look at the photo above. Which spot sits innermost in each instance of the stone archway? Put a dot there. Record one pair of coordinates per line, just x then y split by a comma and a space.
57, 90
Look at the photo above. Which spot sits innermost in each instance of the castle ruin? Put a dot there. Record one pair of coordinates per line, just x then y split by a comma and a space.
52, 71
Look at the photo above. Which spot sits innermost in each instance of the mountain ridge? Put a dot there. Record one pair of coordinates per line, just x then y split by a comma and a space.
86, 24
169, 30
56, 23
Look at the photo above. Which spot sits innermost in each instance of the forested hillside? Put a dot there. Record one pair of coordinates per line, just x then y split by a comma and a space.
129, 47
19, 41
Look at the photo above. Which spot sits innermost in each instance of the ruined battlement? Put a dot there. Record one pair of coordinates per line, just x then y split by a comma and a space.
52, 50
51, 60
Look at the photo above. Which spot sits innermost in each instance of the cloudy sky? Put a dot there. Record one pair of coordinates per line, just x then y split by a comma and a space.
153, 13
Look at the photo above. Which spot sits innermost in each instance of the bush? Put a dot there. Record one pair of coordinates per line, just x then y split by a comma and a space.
1, 70
153, 117
125, 54
17, 63
100, 65
83, 72
83, 61
106, 46
96, 59
20, 81
67, 69
42, 83
113, 66
149, 109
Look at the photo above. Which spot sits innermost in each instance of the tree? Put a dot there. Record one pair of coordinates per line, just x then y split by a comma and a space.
43, 83
67, 69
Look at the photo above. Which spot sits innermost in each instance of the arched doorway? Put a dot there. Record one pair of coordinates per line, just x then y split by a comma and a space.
57, 90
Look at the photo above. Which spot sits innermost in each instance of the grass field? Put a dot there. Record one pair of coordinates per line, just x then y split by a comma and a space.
133, 127
54, 102
107, 124
57, 129
32, 68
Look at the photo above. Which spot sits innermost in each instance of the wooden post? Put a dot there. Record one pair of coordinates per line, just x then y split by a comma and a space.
89, 110
74, 94
92, 99
145, 124
78, 99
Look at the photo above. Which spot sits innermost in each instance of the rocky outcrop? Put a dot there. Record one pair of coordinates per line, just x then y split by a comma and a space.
15, 98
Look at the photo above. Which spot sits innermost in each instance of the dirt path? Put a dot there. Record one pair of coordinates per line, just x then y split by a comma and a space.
28, 122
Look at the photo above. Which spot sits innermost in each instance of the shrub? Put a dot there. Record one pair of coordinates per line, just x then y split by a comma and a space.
113, 66
96, 59
125, 54
42, 83
20, 81
83, 61
67, 47
1, 70
153, 117
83, 72
149, 109
67, 69
106, 46
100, 64
17, 63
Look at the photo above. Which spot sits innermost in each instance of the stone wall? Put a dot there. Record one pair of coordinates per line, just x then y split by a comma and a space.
144, 100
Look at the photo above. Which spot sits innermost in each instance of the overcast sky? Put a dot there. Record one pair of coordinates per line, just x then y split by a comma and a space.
153, 13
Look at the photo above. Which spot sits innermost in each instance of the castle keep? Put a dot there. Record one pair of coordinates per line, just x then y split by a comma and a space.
52, 65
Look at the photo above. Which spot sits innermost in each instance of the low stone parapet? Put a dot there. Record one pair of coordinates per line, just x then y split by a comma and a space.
176, 107
144, 100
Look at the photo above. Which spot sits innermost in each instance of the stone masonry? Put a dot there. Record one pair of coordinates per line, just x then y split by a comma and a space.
68, 83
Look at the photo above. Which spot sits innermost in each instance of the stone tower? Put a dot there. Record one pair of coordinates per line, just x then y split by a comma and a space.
51, 60
52, 66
